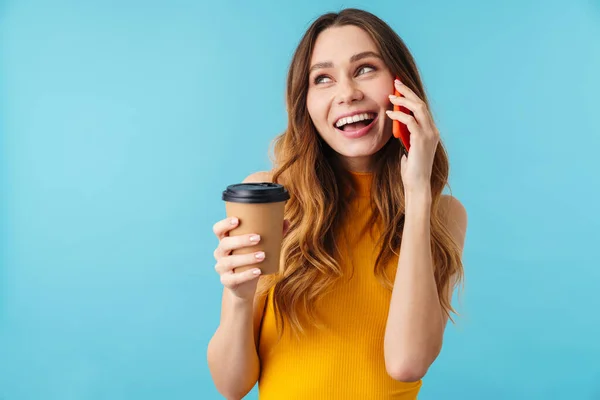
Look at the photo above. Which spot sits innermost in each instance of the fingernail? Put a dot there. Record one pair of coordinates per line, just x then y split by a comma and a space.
233, 221
256, 271
398, 81
392, 96
254, 238
388, 112
260, 255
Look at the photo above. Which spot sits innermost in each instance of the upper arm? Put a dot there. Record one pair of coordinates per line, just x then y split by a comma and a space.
259, 301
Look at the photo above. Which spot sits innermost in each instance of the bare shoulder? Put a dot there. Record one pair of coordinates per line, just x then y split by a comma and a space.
263, 176
454, 215
450, 206
260, 176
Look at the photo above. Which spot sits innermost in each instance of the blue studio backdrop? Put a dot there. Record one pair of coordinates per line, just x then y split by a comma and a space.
122, 122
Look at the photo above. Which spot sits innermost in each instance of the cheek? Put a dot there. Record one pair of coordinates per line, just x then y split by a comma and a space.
317, 110
383, 98
381, 92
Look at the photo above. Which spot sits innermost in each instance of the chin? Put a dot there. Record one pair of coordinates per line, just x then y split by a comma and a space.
357, 150
363, 147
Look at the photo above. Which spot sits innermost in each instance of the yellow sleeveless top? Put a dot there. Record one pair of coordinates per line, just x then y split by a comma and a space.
346, 360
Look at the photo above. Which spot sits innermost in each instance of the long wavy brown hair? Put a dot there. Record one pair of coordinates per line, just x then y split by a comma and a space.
316, 181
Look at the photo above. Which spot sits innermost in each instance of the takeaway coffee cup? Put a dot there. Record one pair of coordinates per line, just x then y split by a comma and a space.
259, 208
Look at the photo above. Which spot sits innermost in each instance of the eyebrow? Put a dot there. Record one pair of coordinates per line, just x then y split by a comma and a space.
354, 58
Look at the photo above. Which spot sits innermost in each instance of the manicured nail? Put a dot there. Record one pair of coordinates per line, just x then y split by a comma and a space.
393, 97
388, 112
254, 238
234, 221
256, 271
260, 255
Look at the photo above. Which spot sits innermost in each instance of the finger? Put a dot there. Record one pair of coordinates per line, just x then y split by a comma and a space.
403, 101
406, 119
229, 263
419, 109
222, 227
407, 92
232, 280
229, 243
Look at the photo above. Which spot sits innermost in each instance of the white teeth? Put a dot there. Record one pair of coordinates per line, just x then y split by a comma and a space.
355, 118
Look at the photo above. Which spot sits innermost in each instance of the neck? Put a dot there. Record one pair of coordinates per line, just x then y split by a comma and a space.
357, 164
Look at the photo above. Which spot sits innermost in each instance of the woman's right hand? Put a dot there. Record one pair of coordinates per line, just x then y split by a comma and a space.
242, 284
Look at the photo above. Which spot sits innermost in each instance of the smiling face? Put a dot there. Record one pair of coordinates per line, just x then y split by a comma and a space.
348, 91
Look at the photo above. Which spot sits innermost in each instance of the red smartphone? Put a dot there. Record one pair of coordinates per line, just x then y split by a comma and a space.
399, 130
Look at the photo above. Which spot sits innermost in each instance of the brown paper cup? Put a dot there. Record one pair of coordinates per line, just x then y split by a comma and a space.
259, 208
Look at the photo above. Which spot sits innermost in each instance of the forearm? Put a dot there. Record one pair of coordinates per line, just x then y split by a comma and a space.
232, 356
414, 329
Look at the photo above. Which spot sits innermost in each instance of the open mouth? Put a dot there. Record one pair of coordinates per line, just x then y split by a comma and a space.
355, 123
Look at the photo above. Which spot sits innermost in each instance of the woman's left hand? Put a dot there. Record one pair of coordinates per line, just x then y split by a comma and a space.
424, 138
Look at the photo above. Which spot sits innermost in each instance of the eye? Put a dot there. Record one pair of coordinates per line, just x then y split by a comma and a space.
366, 67
319, 79
363, 67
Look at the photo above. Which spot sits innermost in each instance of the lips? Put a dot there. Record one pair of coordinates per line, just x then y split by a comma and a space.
358, 133
353, 113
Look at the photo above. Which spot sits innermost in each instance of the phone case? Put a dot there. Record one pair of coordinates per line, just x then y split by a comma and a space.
399, 130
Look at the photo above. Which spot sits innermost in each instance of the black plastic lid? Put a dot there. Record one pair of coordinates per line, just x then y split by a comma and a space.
264, 192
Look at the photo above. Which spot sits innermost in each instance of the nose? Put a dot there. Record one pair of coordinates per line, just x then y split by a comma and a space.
348, 92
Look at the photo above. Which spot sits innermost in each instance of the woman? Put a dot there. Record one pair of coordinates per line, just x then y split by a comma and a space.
372, 249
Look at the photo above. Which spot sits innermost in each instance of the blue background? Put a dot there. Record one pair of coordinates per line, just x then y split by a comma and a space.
121, 123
